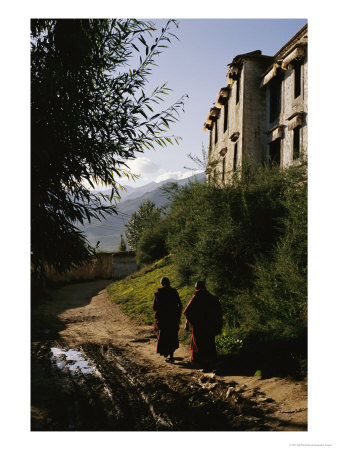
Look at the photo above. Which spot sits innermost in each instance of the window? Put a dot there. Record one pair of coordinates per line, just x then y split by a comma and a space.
237, 89
223, 169
225, 117
235, 157
296, 142
210, 140
297, 72
275, 98
215, 128
274, 152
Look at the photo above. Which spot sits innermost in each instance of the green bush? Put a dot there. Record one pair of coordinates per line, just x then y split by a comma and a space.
122, 245
146, 216
248, 240
228, 345
152, 244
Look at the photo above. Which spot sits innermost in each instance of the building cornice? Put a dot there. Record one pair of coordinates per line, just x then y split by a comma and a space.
293, 40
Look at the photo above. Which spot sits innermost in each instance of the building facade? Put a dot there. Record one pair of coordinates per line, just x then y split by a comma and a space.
261, 115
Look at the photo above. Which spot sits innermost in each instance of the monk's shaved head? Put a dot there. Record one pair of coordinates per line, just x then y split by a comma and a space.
165, 281
200, 285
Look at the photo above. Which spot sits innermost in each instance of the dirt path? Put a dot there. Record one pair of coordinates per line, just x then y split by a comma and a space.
134, 388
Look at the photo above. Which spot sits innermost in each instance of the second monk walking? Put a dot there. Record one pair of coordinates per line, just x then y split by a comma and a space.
204, 313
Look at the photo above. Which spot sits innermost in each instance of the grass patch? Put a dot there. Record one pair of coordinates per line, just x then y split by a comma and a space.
135, 293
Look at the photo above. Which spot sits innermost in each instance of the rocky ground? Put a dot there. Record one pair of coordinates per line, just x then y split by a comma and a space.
95, 369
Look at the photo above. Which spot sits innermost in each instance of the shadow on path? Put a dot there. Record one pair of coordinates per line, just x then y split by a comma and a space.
45, 310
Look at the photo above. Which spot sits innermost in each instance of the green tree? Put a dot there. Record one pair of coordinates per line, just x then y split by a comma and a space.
152, 243
122, 245
248, 240
146, 216
89, 115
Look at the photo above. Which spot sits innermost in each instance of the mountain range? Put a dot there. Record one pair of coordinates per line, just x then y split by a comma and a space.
108, 231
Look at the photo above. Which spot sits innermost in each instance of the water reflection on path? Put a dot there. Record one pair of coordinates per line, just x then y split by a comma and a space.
71, 360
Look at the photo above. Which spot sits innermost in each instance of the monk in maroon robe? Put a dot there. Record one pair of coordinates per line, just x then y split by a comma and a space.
168, 310
204, 313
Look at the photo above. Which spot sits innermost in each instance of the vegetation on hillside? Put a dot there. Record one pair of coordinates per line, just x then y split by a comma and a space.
122, 245
248, 241
135, 293
145, 217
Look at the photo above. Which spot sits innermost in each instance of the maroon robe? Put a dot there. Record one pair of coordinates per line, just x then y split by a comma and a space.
204, 313
168, 307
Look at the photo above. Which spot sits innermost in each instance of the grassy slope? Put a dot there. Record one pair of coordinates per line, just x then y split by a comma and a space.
135, 293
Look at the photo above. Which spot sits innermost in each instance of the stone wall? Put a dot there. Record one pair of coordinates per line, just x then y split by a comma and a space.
249, 126
246, 120
124, 263
290, 106
253, 127
235, 114
105, 265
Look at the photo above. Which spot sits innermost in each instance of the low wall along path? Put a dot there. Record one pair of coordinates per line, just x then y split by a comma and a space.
114, 265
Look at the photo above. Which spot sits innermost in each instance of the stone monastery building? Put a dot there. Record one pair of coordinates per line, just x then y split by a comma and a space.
261, 115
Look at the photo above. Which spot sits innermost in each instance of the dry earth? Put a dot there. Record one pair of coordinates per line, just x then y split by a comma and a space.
133, 388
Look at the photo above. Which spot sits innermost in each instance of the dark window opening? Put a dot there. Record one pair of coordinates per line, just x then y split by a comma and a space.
210, 141
216, 134
225, 117
296, 142
275, 98
274, 152
297, 69
223, 169
237, 89
235, 157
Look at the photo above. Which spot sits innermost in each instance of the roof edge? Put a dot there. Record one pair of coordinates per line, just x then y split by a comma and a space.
294, 37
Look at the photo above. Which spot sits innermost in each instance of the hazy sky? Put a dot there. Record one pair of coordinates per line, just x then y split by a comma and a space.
197, 65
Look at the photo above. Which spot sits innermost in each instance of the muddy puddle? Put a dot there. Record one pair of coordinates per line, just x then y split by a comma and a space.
71, 360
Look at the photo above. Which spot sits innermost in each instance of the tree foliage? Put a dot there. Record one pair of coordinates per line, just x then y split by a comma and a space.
122, 245
248, 240
146, 216
90, 114
152, 243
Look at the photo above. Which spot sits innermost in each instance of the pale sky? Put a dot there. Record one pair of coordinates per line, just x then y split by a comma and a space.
197, 65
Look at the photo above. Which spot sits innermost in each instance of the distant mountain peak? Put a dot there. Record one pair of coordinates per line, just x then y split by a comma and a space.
109, 230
